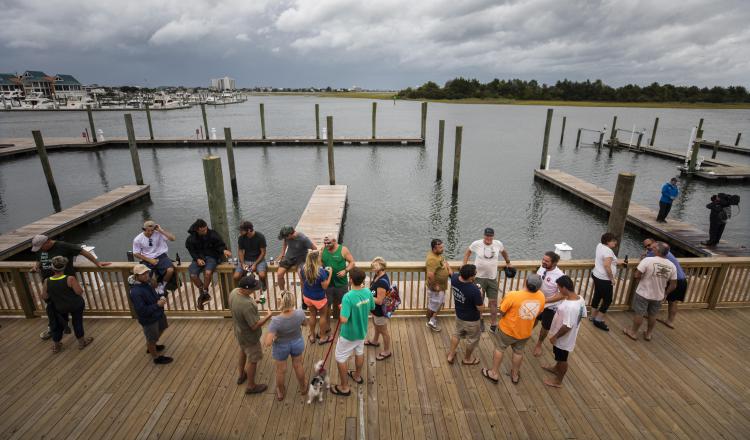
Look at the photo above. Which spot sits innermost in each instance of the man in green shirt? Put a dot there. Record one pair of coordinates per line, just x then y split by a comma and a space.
247, 330
355, 309
338, 258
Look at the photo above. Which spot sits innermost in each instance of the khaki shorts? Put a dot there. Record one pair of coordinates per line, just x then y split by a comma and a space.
379, 320
645, 307
253, 352
504, 341
435, 300
469, 330
488, 286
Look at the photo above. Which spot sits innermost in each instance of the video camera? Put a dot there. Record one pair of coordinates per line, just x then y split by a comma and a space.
727, 199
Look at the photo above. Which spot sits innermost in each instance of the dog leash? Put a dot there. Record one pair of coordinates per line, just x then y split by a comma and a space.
330, 347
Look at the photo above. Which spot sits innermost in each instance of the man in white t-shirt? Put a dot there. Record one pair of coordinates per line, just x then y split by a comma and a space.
150, 247
657, 278
488, 252
552, 297
564, 329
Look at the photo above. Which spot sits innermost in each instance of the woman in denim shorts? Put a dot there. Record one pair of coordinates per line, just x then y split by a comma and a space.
285, 337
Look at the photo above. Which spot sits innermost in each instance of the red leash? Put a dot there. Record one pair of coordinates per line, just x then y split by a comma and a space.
330, 347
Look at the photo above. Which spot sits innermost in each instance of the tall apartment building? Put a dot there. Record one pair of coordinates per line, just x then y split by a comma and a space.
225, 83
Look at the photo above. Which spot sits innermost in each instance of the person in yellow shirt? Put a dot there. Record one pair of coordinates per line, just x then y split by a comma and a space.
518, 312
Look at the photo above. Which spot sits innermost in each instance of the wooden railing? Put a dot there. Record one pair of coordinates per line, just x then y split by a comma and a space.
712, 282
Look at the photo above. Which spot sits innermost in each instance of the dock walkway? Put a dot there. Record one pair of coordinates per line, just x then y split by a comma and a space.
725, 147
679, 234
324, 213
19, 239
690, 382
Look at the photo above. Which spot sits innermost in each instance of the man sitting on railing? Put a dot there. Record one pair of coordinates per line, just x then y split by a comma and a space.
207, 248
151, 247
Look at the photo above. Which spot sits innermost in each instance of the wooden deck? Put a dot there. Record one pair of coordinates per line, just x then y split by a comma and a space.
691, 382
17, 240
680, 234
725, 147
324, 213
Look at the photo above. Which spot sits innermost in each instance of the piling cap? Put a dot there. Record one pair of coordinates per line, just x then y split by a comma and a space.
37, 242
285, 232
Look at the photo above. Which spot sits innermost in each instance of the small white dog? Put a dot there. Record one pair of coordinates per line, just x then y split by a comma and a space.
318, 383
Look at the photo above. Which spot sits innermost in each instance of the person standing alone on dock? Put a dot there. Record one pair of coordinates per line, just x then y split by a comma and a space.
293, 252
603, 274
438, 272
488, 252
150, 246
207, 249
669, 192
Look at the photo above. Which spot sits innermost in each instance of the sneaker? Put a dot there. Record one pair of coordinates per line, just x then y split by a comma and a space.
159, 347
433, 326
160, 289
493, 329
601, 325
163, 360
203, 298
45, 335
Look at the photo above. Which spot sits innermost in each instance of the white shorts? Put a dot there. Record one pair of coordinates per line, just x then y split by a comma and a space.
345, 347
435, 300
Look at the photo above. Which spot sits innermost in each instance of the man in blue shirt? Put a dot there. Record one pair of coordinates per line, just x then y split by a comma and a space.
468, 299
668, 193
678, 294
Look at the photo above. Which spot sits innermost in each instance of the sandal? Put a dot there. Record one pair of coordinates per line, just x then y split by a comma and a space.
325, 341
258, 388
83, 342
371, 344
518, 378
382, 357
486, 373
474, 361
451, 359
627, 333
335, 390
311, 339
358, 382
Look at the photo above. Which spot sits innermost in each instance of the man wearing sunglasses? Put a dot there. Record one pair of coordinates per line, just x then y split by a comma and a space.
151, 248
337, 257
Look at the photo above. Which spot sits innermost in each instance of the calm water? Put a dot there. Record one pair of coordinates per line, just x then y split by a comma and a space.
395, 205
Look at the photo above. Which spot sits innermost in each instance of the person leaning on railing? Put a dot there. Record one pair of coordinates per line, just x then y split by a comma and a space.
64, 293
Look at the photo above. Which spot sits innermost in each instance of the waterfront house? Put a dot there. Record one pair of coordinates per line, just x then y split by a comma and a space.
10, 86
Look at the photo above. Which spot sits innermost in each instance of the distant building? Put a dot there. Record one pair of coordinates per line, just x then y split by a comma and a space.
225, 83
66, 86
10, 85
38, 82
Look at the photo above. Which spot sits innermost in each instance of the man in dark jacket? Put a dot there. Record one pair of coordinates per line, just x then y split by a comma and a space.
149, 308
207, 249
717, 220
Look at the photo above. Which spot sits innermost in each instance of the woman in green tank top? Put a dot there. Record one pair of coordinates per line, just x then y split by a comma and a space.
65, 294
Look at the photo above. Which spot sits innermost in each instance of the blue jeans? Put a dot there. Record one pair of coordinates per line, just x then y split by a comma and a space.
196, 270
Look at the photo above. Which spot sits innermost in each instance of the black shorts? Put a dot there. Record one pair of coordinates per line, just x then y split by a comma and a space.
288, 263
546, 318
603, 292
335, 294
560, 354
678, 294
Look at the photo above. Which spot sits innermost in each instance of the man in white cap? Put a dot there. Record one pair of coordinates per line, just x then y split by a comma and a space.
46, 250
149, 308
151, 247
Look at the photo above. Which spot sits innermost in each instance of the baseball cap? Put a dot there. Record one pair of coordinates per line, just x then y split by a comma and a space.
248, 282
285, 232
149, 224
37, 242
533, 282
140, 269
489, 231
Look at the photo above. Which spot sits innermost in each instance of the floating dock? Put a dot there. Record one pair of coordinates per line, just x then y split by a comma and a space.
18, 240
678, 234
724, 147
324, 214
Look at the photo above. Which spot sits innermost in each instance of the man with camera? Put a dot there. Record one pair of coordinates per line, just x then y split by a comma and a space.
721, 212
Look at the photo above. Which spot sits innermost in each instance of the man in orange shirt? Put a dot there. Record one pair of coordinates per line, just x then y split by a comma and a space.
518, 312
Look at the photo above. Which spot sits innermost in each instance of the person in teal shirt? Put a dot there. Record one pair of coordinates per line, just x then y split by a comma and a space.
355, 309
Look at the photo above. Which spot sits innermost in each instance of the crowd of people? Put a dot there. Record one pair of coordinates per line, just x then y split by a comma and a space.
336, 296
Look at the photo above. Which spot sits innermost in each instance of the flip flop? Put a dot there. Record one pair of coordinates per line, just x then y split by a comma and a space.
325, 341
259, 388
451, 359
474, 361
335, 390
370, 344
358, 382
486, 373
516, 380
629, 335
547, 381
311, 339
382, 357
666, 323
647, 338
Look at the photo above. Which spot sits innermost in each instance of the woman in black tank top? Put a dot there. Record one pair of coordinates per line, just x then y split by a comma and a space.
65, 294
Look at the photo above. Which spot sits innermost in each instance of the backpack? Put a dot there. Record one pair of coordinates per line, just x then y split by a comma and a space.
725, 214
391, 301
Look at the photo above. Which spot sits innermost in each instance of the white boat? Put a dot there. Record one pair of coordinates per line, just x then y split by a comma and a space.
37, 101
164, 101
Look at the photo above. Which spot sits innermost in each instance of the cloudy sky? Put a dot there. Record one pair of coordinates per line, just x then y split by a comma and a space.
378, 43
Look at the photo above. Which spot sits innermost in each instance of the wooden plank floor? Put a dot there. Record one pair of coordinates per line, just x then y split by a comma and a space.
677, 233
17, 240
693, 382
324, 213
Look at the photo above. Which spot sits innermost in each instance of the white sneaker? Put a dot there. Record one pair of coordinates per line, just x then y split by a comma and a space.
160, 289
433, 326
45, 334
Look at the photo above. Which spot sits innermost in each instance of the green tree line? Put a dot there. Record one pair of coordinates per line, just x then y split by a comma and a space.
567, 90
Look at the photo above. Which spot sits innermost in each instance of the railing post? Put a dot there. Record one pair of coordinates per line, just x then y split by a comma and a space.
24, 293
42, 152
150, 126
717, 283
545, 144
225, 287
653, 133
441, 140
205, 119
331, 167
562, 132
91, 123
125, 274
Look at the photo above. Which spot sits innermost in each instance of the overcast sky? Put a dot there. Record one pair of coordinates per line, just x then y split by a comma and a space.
378, 43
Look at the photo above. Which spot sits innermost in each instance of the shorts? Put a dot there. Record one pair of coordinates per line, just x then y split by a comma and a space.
678, 294
318, 304
280, 351
287, 262
253, 352
503, 341
379, 320
160, 268
469, 330
435, 300
488, 286
211, 264
546, 318
261, 267
645, 307
335, 294
153, 331
345, 348
560, 354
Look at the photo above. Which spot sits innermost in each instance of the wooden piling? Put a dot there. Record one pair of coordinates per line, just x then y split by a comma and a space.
91, 123
737, 141
331, 167
640, 139
262, 121
716, 150
230, 160
578, 138
699, 132
562, 132
601, 140
545, 144
441, 140
457, 157
150, 126
205, 120
42, 151
133, 149
424, 120
693, 162
374, 112
317, 121
620, 204
653, 132
613, 133
217, 204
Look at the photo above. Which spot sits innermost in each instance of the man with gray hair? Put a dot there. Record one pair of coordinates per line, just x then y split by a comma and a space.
518, 312
657, 277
